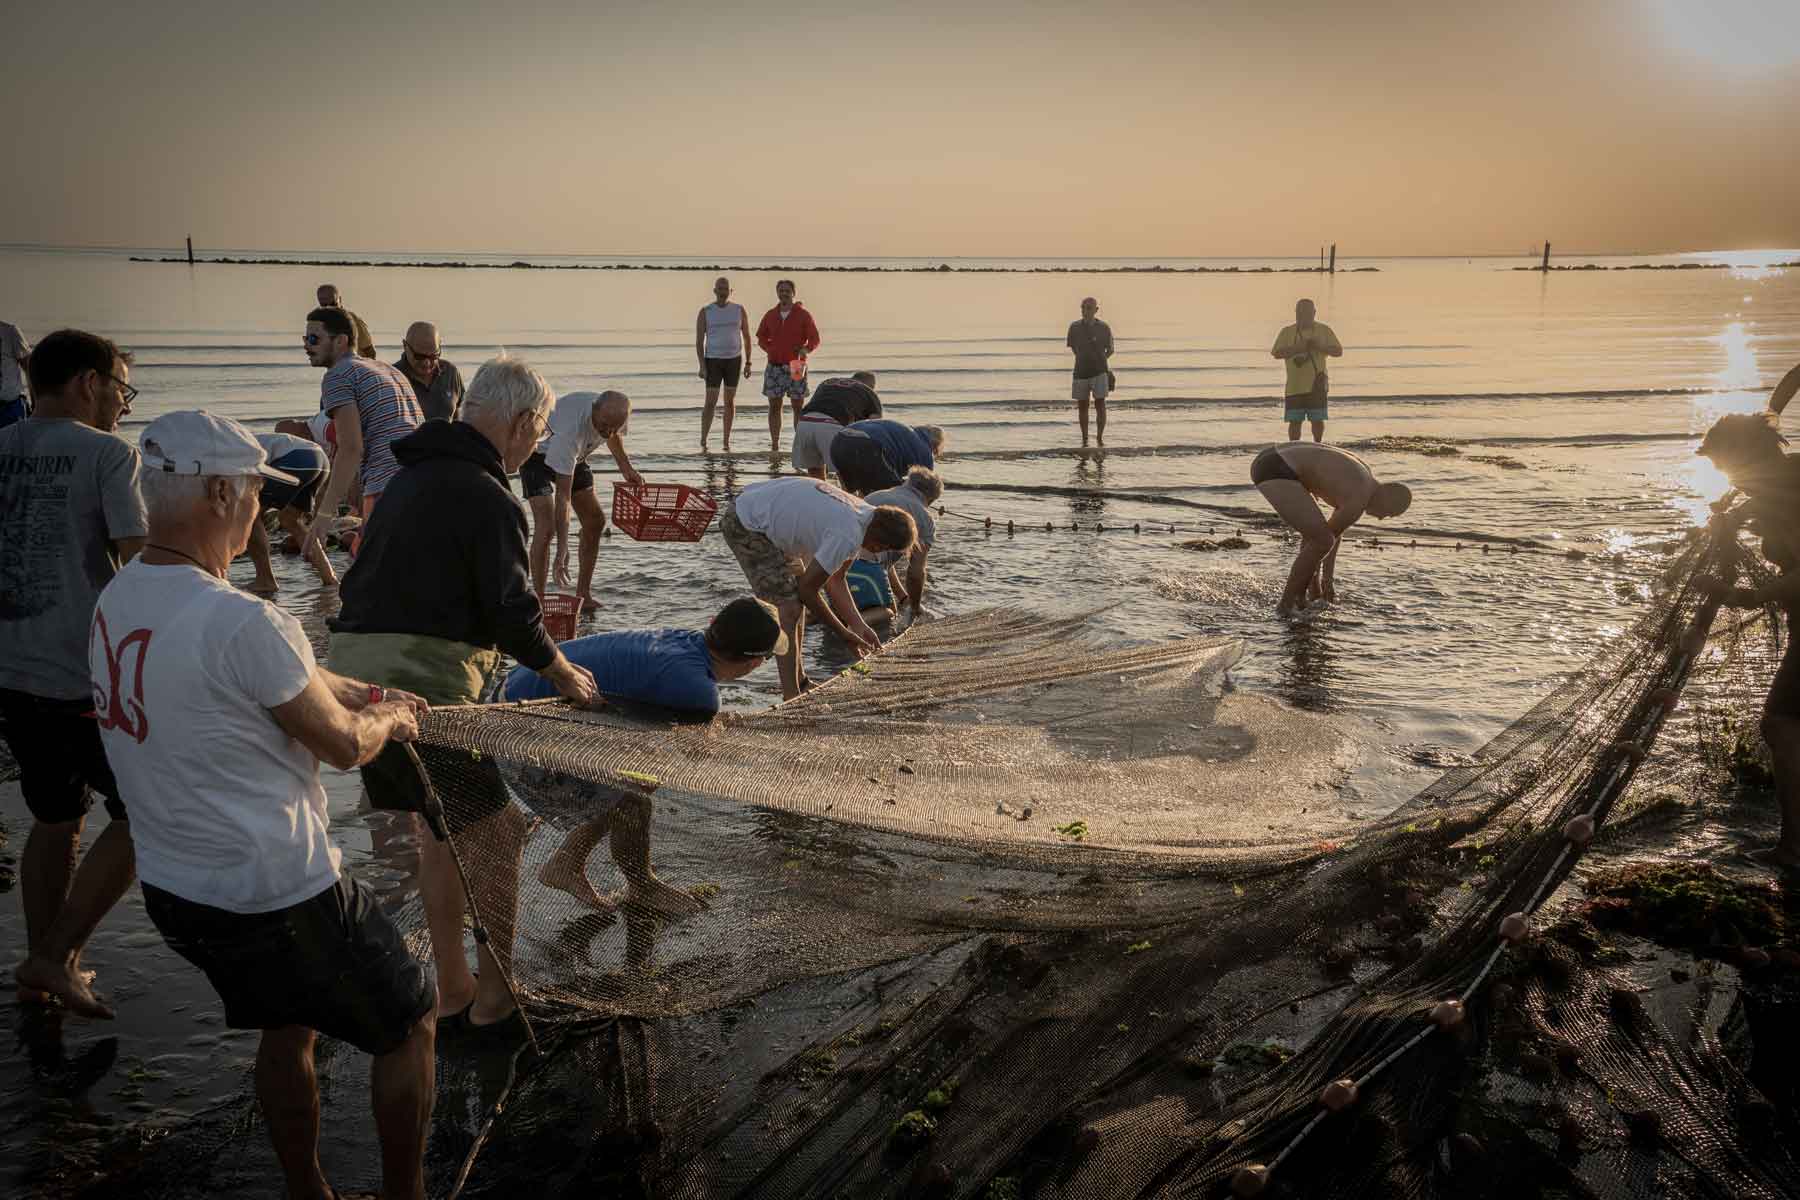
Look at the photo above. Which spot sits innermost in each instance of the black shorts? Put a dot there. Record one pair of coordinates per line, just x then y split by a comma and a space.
860, 465
468, 785
1784, 690
1270, 465
724, 371
61, 760
539, 480
334, 963
308, 465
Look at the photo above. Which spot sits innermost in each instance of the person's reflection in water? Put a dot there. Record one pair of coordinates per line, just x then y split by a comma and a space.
1088, 503
1310, 675
719, 474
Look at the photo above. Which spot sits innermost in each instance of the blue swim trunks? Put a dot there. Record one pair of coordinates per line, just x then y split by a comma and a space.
1302, 408
778, 381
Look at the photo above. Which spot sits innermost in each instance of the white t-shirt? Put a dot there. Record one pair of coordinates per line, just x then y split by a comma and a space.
807, 518
277, 444
904, 497
226, 809
724, 329
570, 436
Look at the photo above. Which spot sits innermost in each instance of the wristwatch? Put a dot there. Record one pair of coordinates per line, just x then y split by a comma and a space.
377, 693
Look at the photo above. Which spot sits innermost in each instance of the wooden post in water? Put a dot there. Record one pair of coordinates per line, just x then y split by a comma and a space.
1333, 267
1546, 265
190, 251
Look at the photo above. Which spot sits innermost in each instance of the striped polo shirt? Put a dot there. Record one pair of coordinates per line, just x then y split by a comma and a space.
386, 406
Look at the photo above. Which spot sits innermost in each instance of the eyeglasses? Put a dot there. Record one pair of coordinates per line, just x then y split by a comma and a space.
311, 339
127, 393
422, 356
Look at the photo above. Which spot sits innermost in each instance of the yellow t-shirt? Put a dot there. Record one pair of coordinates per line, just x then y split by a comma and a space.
1305, 362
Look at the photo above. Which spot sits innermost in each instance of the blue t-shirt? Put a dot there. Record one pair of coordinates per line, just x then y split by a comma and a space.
903, 446
869, 584
666, 667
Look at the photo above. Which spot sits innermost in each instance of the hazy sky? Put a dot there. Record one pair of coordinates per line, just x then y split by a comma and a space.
1190, 127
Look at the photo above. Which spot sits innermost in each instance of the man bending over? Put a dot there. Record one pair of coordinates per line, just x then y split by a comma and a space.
557, 477
678, 670
1289, 477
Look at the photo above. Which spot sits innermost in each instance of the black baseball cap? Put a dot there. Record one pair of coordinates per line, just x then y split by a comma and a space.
747, 627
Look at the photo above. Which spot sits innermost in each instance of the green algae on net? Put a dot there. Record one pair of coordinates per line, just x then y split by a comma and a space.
1689, 905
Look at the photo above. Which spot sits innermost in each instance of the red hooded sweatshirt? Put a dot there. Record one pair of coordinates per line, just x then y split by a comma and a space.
781, 340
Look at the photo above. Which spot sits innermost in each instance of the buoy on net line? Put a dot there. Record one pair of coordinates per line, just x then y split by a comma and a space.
1629, 749
1667, 697
1447, 1014
1514, 928
1250, 1180
1339, 1095
1579, 830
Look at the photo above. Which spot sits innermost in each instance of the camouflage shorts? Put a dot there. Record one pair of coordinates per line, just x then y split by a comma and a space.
773, 575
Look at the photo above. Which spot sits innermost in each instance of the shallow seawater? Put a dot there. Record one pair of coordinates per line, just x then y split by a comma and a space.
1572, 405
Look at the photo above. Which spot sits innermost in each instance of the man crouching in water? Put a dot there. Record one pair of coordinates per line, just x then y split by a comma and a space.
1289, 477
1747, 448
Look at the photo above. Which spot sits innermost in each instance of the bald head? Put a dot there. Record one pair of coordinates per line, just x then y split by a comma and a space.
1304, 312
329, 297
612, 412
422, 350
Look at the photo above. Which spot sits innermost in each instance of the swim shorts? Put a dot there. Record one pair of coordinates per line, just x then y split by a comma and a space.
1270, 465
773, 574
1096, 387
309, 465
537, 479
723, 371
778, 381
1303, 408
1784, 689
861, 465
812, 441
869, 584
61, 761
334, 963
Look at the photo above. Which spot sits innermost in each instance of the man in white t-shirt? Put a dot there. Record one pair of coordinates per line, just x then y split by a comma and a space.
722, 344
922, 489
795, 537
556, 477
215, 718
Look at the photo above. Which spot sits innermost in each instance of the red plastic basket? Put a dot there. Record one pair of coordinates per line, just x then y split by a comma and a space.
561, 611
662, 512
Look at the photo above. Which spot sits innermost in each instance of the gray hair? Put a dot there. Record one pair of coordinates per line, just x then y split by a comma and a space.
169, 497
933, 434
927, 482
507, 388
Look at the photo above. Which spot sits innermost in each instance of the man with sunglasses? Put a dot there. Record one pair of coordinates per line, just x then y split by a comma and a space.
675, 672
70, 517
436, 382
372, 405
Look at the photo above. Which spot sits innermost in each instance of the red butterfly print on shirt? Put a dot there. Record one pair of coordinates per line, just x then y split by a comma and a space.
109, 705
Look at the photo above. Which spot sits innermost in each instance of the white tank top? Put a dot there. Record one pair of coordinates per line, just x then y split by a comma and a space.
724, 330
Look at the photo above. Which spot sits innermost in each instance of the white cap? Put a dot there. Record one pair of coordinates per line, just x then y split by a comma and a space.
199, 443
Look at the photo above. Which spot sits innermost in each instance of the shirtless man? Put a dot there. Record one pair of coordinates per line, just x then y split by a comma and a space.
1289, 476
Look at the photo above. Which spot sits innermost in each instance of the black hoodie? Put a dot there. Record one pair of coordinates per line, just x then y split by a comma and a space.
443, 554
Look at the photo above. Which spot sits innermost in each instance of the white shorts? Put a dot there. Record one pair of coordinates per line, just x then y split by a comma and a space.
812, 441
1084, 387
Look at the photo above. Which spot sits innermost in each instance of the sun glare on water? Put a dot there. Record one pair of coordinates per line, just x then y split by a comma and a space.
1737, 35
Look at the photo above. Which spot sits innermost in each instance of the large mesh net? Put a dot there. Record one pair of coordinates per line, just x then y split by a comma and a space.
1011, 911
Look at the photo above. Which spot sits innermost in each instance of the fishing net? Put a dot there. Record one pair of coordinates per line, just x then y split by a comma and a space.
1012, 910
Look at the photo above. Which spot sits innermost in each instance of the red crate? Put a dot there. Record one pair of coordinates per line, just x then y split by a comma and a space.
662, 512
561, 611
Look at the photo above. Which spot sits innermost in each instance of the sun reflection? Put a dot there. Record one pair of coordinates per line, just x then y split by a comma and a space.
1740, 371
1696, 483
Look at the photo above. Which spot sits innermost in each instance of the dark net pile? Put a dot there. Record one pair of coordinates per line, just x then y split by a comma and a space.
1009, 912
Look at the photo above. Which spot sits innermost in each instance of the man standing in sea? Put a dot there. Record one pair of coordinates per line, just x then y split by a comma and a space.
787, 335
371, 406
436, 382
1304, 346
722, 343
1092, 341
330, 297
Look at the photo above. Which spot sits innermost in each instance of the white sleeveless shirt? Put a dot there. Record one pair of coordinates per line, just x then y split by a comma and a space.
724, 330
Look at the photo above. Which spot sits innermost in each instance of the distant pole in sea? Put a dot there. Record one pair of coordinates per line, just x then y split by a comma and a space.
1333, 267
1546, 265
190, 251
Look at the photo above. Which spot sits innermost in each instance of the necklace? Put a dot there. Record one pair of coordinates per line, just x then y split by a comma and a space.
179, 553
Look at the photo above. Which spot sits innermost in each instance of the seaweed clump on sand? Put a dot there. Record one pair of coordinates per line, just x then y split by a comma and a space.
1429, 447
1230, 543
1735, 748
1687, 906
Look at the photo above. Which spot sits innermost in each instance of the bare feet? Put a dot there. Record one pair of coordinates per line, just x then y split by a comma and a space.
262, 587
565, 877
589, 604
62, 982
659, 897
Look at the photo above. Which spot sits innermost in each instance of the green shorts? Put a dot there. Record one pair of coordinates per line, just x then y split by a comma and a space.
1303, 408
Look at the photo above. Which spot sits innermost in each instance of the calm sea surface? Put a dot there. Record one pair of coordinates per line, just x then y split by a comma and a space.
1572, 403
